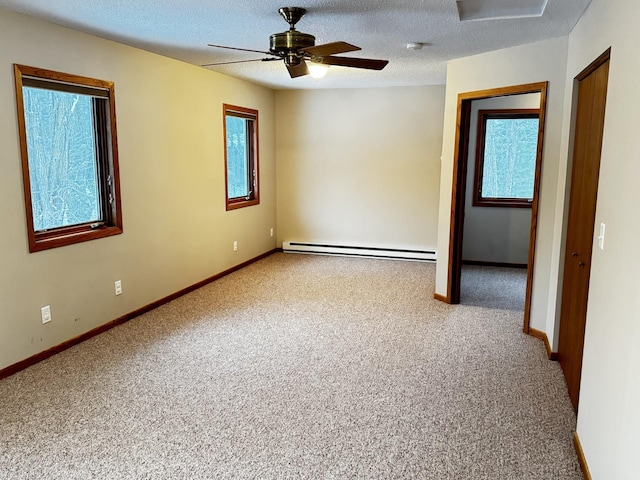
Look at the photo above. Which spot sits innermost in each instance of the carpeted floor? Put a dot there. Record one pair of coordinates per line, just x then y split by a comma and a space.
297, 367
493, 287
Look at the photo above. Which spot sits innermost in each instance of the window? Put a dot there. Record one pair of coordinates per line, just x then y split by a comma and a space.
506, 154
241, 156
69, 157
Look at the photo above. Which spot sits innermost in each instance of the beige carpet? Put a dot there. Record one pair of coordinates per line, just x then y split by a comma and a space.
297, 367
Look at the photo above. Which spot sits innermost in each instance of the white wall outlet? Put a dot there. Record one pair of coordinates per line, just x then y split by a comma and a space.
118, 287
271, 232
46, 314
235, 245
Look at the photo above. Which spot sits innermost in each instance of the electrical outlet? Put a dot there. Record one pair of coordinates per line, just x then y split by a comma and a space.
235, 245
46, 314
271, 232
118, 287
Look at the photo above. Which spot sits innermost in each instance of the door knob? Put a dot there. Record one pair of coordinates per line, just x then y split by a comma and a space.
574, 254
581, 264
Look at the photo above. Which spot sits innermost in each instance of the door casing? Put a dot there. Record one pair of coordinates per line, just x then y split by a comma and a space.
460, 160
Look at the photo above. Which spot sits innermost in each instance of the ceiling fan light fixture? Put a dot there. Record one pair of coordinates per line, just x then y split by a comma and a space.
317, 70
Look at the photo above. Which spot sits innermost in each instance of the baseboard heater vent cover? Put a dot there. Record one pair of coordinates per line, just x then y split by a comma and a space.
351, 251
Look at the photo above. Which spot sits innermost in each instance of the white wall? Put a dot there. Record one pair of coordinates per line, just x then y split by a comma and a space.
495, 234
536, 62
359, 167
608, 414
176, 229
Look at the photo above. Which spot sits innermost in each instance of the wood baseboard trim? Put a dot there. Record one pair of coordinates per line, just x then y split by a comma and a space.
543, 336
482, 263
38, 357
581, 457
441, 298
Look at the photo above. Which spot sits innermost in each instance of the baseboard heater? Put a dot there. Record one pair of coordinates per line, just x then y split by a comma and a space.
354, 251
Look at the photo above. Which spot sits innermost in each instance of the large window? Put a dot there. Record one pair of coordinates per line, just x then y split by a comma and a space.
506, 156
69, 157
241, 156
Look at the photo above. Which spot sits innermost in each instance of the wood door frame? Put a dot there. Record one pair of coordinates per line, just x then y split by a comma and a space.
458, 191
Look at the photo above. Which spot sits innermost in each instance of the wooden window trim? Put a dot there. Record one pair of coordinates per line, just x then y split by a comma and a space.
106, 152
254, 197
483, 116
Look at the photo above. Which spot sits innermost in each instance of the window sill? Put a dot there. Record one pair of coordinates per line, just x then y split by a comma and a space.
503, 203
60, 239
235, 204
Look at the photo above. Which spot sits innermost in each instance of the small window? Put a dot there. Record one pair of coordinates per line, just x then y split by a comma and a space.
69, 157
241, 156
506, 155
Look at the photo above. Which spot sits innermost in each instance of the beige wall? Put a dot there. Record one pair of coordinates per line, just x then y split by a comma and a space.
536, 62
359, 167
176, 229
608, 416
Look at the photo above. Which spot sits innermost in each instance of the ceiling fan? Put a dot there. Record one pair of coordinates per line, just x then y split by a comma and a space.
296, 48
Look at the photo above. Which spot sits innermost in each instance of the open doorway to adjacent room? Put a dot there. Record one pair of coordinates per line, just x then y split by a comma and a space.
501, 166
488, 226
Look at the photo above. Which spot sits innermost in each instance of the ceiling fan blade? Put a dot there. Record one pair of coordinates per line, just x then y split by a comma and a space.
241, 61
299, 70
368, 63
240, 49
330, 49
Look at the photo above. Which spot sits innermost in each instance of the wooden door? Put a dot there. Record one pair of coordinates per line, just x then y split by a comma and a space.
592, 91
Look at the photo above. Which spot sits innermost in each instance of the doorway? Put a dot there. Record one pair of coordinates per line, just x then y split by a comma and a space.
460, 163
501, 165
589, 125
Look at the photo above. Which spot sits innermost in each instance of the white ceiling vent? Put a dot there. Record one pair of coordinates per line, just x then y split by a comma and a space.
499, 9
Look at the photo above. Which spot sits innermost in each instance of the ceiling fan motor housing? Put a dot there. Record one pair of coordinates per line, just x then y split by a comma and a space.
289, 42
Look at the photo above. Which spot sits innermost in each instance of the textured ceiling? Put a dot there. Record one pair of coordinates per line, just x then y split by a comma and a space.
182, 29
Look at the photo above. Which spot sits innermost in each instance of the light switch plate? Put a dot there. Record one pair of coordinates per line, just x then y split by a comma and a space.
601, 236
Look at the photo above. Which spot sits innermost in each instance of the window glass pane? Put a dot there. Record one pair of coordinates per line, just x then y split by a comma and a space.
237, 157
62, 158
510, 149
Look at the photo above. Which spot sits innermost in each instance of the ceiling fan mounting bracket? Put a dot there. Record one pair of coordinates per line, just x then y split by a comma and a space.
292, 15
